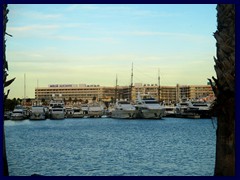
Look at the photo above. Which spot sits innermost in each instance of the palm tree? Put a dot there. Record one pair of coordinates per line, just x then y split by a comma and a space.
6, 83
224, 89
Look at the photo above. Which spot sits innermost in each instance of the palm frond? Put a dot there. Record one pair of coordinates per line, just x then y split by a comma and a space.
7, 83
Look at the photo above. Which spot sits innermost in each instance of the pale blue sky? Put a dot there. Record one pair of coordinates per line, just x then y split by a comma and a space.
90, 44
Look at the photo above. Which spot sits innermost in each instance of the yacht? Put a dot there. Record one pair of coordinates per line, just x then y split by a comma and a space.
199, 107
77, 112
84, 108
19, 113
170, 110
123, 110
57, 108
182, 108
149, 108
193, 109
95, 110
69, 112
37, 113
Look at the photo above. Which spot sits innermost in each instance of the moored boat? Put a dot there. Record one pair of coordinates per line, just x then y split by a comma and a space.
77, 112
95, 110
57, 108
200, 108
57, 113
37, 113
170, 111
19, 113
182, 109
123, 110
84, 108
193, 109
149, 108
69, 112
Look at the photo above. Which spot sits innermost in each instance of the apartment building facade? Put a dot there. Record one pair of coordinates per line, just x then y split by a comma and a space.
83, 92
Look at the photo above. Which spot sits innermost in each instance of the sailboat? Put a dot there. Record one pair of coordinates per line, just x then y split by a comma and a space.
123, 109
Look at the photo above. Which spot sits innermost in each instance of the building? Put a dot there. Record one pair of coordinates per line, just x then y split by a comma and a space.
83, 92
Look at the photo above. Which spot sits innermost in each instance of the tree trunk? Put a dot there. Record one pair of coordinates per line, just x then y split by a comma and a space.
5, 164
5, 68
224, 90
225, 146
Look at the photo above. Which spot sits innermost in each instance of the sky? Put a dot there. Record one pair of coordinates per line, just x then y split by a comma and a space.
94, 43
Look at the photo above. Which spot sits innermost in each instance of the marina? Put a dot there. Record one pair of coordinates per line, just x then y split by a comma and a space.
138, 101
142, 108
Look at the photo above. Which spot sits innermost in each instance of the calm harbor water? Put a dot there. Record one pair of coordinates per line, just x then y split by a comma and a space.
111, 147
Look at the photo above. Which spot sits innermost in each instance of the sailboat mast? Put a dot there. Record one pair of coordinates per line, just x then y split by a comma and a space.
132, 76
116, 88
131, 84
158, 86
37, 89
24, 86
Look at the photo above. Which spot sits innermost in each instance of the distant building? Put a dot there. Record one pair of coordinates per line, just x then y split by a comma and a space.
83, 92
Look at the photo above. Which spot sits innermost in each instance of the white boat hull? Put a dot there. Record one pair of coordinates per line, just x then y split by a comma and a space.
37, 116
17, 117
77, 115
124, 114
95, 113
57, 116
152, 113
170, 114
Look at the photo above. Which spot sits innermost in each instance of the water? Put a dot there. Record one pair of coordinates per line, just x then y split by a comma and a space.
111, 147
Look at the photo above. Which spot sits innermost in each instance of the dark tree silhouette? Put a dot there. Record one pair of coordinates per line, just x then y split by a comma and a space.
224, 89
6, 83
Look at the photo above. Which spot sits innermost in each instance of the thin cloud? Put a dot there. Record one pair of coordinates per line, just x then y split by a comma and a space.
91, 7
34, 15
184, 36
32, 28
147, 13
131, 11
43, 16
78, 38
82, 7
